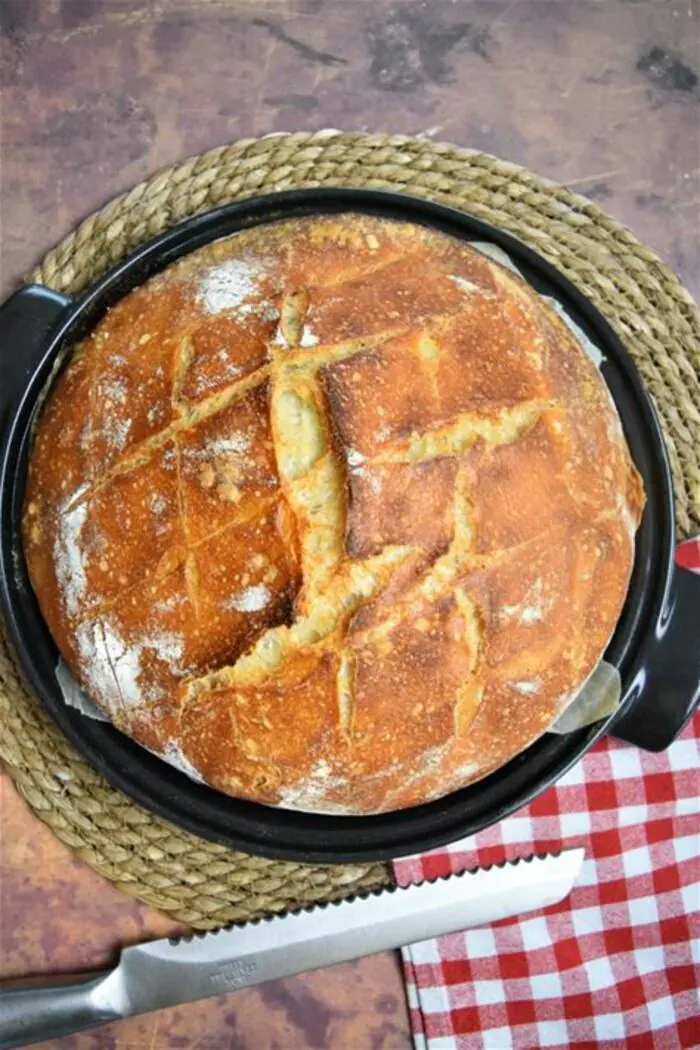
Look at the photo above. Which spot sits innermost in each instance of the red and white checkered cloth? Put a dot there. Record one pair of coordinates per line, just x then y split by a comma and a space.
617, 964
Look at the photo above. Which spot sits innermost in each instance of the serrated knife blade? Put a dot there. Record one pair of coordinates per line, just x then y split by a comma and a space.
170, 972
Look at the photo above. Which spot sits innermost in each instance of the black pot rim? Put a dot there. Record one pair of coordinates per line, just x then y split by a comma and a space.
271, 831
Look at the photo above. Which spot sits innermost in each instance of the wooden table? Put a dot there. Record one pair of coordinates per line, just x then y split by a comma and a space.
97, 94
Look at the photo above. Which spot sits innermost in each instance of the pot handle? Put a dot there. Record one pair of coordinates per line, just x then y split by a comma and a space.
666, 690
25, 320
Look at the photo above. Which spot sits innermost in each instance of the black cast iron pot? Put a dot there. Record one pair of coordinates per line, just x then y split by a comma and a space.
653, 646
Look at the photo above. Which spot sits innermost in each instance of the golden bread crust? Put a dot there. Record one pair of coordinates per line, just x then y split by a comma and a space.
335, 514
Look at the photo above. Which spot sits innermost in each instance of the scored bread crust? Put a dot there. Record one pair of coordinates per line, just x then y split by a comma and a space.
334, 514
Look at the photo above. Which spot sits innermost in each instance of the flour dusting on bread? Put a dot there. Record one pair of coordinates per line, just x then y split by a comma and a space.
113, 667
68, 552
234, 285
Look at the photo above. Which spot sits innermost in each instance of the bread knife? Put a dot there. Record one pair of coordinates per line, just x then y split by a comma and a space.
178, 970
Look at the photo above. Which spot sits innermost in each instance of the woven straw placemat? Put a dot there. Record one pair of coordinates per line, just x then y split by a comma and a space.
195, 881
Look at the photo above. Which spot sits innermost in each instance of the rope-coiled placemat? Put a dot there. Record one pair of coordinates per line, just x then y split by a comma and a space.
198, 882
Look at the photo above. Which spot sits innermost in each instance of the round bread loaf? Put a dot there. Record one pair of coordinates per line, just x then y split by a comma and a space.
335, 514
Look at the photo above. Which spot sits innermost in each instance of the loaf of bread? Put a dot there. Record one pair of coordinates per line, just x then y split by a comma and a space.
335, 514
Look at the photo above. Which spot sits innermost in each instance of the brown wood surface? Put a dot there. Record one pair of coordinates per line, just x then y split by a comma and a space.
58, 916
97, 94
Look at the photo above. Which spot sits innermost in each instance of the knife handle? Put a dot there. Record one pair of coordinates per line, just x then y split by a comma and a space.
31, 1013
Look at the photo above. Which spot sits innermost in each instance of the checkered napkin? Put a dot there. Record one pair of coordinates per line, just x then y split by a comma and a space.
617, 964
